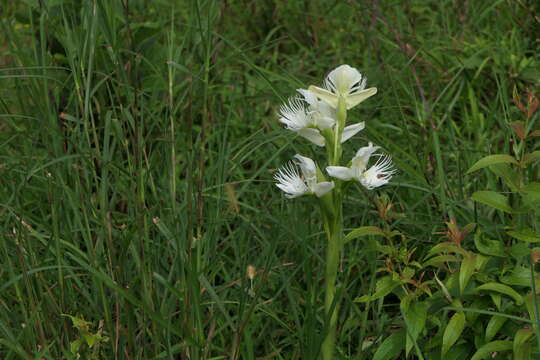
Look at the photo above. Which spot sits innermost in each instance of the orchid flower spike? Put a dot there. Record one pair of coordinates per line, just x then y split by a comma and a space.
346, 82
324, 116
294, 184
297, 118
377, 175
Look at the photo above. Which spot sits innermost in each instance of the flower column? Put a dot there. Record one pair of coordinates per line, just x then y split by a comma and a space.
320, 116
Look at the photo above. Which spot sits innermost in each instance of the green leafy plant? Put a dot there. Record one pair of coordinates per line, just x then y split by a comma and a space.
482, 297
87, 346
521, 200
471, 305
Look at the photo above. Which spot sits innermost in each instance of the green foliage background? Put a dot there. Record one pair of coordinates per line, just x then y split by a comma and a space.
137, 145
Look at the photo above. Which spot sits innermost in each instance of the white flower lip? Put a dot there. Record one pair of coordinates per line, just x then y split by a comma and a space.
294, 184
290, 181
377, 175
344, 81
294, 115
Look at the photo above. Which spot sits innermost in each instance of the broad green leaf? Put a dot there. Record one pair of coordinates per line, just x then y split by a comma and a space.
466, 270
521, 348
384, 286
391, 346
520, 276
452, 332
531, 194
493, 326
493, 199
415, 315
530, 158
481, 261
503, 289
488, 247
520, 250
459, 352
491, 160
489, 348
532, 188
527, 235
507, 174
363, 231
497, 299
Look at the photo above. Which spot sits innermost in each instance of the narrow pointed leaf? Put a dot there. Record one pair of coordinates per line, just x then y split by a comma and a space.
493, 199
521, 348
415, 315
509, 176
531, 194
440, 259
363, 231
503, 289
491, 160
384, 286
495, 346
488, 247
527, 235
466, 270
452, 332
493, 326
391, 346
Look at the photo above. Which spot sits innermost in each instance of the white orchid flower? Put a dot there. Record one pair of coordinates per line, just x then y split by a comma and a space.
346, 82
297, 118
324, 116
295, 184
377, 175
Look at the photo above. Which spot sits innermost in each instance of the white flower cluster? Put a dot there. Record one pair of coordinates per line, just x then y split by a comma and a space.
314, 114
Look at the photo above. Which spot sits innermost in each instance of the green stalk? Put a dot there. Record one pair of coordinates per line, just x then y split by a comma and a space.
333, 225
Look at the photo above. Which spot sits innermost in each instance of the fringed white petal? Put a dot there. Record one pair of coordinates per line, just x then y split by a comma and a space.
294, 115
290, 182
379, 174
309, 97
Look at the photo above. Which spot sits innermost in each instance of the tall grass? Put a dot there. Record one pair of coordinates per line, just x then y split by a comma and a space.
137, 143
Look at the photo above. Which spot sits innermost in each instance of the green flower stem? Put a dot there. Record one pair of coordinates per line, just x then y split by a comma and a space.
333, 225
333, 228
